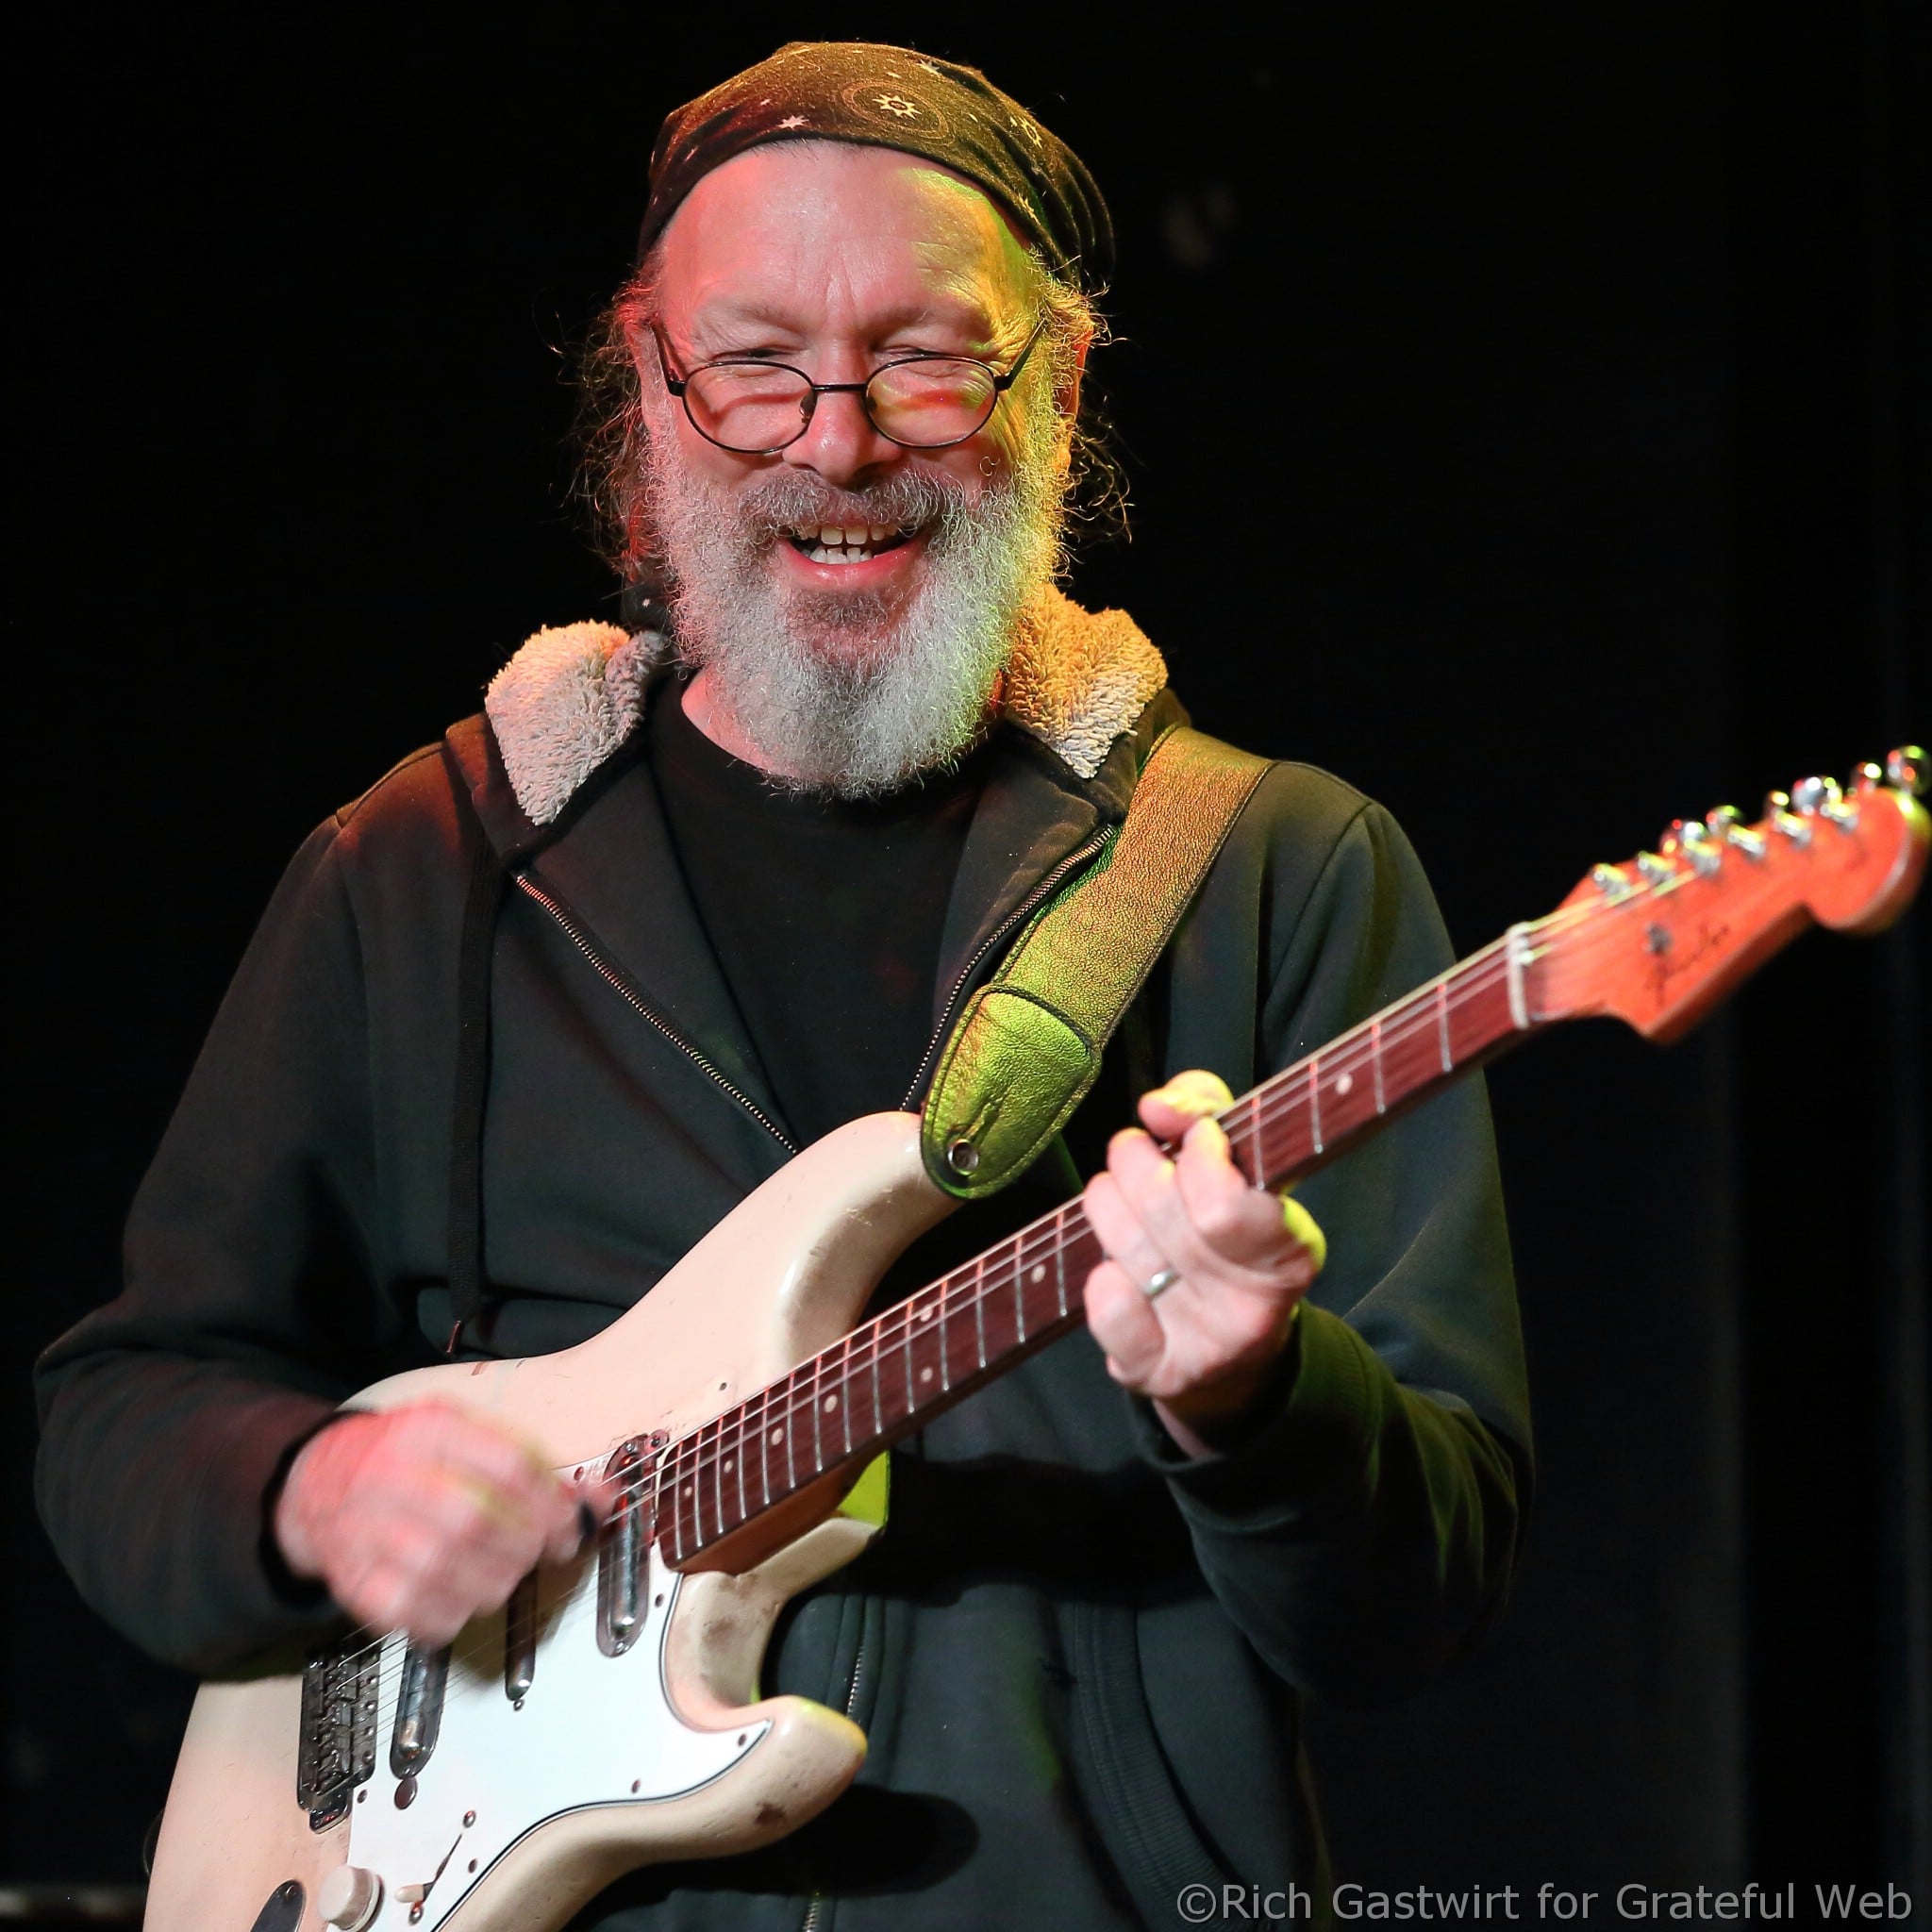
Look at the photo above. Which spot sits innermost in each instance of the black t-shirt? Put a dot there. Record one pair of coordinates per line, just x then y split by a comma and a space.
826, 914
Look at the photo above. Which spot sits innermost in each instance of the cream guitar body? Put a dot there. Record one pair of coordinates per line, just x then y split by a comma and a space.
524, 1805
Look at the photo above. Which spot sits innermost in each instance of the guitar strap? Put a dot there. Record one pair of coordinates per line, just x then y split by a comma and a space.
1027, 1047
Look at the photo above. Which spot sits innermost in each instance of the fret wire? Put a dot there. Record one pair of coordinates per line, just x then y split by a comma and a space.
912, 1395
791, 1437
1442, 1025
844, 1395
1018, 1299
818, 1444
1315, 1101
717, 1475
879, 1413
979, 1307
765, 1443
1375, 1061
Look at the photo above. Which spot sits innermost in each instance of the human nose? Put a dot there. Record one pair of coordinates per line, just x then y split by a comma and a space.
841, 440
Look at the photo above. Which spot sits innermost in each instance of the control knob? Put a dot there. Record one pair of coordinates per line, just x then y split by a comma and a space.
348, 1898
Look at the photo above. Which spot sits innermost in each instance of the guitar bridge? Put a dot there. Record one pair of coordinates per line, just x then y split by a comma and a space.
339, 1711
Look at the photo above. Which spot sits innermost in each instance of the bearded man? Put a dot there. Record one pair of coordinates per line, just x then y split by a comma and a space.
538, 1011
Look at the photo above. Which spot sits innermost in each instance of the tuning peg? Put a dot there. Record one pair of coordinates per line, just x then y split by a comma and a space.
1690, 839
1811, 795
1654, 870
1727, 823
1778, 808
1866, 778
1905, 769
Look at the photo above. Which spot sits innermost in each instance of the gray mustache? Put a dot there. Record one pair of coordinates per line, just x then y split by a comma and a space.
903, 501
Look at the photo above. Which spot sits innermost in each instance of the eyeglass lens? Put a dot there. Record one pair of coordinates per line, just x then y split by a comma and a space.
761, 405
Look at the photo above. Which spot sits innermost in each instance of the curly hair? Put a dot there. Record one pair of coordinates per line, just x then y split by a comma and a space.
612, 426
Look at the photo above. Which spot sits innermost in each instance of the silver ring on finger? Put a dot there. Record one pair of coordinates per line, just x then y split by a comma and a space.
1160, 1283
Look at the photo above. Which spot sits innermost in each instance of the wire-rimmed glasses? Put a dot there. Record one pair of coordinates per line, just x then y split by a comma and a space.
755, 407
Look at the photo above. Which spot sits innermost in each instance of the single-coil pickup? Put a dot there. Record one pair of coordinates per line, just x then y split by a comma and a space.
621, 1555
419, 1708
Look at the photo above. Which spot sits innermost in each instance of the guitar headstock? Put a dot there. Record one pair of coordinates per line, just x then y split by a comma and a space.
1659, 939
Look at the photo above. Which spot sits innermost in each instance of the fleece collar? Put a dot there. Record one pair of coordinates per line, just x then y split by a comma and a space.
575, 692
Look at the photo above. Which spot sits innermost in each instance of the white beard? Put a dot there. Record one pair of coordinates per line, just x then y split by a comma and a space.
838, 691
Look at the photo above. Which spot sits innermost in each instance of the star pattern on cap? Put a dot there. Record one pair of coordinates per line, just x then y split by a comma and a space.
793, 121
899, 105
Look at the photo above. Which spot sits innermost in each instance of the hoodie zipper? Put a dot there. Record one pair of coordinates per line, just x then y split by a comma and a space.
815, 1914
625, 989
1094, 841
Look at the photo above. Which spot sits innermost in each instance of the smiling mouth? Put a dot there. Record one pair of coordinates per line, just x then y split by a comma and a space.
832, 544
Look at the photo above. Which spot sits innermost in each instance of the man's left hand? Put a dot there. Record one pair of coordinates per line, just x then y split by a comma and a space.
1197, 1297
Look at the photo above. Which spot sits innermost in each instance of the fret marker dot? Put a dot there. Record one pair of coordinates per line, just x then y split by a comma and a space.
1344, 1082
691, 1488
778, 1435
728, 1462
925, 1374
925, 1314
831, 1403
1039, 1274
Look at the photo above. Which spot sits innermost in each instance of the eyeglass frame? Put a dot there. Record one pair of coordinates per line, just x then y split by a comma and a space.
678, 386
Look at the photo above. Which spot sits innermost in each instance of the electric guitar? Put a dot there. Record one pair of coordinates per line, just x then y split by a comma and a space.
608, 1716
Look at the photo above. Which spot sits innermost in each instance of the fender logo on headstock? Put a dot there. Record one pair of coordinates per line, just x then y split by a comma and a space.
1672, 961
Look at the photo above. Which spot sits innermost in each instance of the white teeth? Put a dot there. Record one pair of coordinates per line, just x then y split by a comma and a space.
846, 544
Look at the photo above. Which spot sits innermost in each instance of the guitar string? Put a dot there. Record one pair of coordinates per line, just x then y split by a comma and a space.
994, 1276
1417, 1013
693, 1461
995, 1273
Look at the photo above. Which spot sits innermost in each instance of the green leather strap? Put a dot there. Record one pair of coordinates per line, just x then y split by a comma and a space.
1027, 1047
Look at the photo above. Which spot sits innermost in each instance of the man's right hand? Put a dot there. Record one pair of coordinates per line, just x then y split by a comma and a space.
420, 1518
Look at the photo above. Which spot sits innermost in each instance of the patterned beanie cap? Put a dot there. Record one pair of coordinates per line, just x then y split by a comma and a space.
882, 96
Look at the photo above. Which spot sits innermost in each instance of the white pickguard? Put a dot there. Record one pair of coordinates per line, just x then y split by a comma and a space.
592, 1730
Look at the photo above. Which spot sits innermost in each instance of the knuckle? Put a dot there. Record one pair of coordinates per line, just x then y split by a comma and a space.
1222, 1221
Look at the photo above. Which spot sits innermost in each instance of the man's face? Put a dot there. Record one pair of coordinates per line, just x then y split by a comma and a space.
836, 259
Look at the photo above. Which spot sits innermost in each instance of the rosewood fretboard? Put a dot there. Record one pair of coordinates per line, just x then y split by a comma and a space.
840, 1408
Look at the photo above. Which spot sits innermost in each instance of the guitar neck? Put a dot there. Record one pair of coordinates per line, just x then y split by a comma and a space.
891, 1375
1654, 943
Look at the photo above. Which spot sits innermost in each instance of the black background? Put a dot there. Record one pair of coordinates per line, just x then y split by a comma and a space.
1597, 492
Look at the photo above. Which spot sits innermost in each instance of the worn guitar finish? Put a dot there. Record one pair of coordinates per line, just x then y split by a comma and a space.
608, 1717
